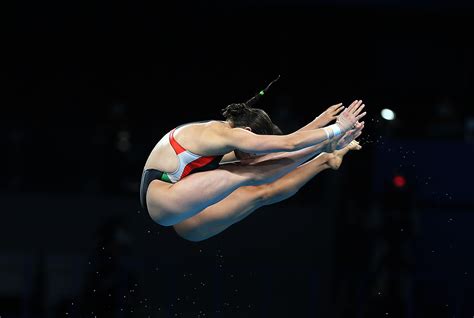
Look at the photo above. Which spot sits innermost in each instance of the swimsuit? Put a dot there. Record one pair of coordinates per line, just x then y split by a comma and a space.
188, 163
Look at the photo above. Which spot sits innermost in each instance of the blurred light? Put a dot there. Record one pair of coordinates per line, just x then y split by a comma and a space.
387, 114
123, 141
399, 181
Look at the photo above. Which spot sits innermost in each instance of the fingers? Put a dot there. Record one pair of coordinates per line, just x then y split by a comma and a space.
359, 125
338, 109
361, 115
358, 110
355, 104
350, 116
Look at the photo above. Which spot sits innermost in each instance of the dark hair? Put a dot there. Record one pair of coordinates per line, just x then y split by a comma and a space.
277, 130
240, 115
243, 115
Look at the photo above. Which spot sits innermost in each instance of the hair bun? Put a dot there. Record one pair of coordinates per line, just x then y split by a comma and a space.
235, 110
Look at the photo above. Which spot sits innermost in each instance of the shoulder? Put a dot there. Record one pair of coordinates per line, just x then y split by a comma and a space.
217, 126
202, 131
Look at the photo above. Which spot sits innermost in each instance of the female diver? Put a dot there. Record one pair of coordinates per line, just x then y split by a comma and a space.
202, 177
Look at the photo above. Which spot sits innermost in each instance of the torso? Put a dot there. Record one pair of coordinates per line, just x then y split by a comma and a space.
163, 156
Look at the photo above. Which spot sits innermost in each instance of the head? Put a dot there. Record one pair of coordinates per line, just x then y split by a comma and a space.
255, 120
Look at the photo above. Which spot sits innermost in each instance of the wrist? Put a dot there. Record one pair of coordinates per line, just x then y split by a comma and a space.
333, 130
317, 123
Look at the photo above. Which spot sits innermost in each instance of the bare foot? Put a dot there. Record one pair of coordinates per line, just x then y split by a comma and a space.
337, 155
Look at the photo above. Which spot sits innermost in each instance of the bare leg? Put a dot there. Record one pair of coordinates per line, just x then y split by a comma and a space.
243, 201
169, 204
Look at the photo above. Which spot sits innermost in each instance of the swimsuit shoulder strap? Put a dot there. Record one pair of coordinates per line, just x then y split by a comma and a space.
174, 144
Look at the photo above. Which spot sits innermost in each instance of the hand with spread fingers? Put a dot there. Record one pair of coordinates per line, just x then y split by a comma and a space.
350, 116
328, 115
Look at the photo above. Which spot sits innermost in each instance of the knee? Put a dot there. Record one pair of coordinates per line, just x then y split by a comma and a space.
164, 218
264, 194
272, 193
189, 234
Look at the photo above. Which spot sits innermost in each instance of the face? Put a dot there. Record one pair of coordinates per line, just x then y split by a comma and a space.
244, 155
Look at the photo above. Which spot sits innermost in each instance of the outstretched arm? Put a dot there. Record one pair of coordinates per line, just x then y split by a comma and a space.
335, 143
237, 138
324, 118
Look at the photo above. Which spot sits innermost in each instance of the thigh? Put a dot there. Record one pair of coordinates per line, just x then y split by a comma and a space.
217, 217
176, 202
